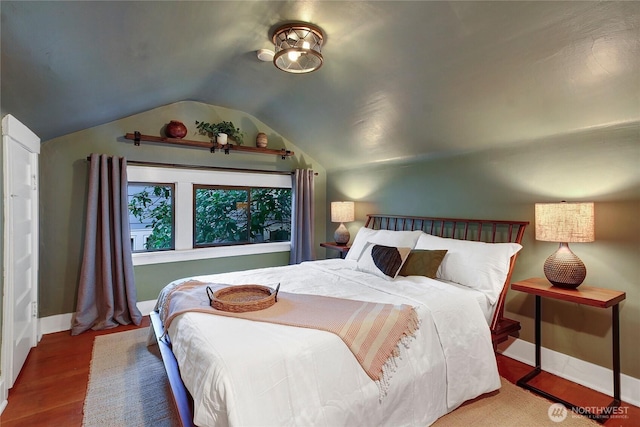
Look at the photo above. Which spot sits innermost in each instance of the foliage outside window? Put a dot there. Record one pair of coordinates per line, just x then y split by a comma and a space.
269, 221
225, 215
151, 216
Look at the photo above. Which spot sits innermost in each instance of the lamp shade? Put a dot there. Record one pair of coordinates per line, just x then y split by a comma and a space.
565, 222
342, 211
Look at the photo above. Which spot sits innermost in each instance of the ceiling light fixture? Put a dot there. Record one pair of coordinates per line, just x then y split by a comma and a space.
298, 48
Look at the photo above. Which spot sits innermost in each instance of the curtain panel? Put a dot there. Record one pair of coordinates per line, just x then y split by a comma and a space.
106, 292
302, 221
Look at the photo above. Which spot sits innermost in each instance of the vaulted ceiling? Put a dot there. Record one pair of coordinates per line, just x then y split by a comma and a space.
400, 80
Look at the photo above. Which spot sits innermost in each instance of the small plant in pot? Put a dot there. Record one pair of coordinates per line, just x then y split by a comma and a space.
217, 130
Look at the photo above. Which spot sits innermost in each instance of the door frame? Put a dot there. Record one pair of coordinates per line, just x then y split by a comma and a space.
14, 132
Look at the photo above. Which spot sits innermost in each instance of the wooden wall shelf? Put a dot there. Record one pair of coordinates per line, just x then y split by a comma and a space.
136, 137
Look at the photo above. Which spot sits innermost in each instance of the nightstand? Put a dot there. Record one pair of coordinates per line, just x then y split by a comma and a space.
342, 249
587, 295
504, 328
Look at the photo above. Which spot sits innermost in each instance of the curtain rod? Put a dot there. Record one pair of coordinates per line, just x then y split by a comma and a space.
217, 168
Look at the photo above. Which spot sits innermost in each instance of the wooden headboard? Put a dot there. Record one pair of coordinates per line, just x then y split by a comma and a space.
482, 230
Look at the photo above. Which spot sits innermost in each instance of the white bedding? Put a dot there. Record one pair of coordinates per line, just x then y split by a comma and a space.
244, 373
456, 289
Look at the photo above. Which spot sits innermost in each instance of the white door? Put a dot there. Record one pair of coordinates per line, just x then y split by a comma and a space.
20, 175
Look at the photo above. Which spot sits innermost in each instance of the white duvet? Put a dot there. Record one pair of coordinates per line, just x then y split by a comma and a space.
244, 373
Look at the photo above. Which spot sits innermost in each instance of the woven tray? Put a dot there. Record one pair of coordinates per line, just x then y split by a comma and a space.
241, 298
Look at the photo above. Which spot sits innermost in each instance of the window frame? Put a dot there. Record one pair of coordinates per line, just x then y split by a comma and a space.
249, 201
197, 187
173, 211
183, 180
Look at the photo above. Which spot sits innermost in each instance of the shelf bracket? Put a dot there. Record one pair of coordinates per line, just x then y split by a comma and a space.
136, 138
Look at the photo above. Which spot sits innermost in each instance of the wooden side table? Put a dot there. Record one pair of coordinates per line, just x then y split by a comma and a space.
343, 249
587, 295
504, 328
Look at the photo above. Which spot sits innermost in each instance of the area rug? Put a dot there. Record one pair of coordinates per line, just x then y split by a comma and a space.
128, 387
512, 406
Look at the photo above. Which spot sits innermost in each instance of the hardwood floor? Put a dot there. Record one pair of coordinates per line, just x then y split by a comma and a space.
51, 388
52, 385
512, 370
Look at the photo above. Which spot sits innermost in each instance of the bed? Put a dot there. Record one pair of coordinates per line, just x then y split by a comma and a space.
229, 371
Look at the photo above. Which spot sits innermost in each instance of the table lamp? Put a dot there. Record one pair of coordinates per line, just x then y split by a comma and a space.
565, 222
342, 212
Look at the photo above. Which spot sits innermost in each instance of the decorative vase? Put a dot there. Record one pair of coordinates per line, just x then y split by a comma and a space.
563, 268
221, 138
176, 129
261, 140
341, 235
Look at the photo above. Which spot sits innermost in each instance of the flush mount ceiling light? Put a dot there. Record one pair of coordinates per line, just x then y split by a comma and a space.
298, 48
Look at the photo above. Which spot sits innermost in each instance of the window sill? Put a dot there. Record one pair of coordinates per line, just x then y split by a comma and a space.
146, 258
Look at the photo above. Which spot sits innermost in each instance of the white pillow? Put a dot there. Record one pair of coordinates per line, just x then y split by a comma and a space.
477, 265
405, 239
383, 261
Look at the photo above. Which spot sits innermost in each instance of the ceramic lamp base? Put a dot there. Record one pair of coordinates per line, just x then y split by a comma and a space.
564, 269
341, 236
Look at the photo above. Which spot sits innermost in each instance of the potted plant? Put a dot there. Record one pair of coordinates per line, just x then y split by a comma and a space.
216, 130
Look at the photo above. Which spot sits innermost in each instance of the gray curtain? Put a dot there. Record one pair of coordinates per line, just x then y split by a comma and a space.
302, 247
107, 292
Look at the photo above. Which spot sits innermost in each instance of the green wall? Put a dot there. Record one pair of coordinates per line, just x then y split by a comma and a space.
600, 166
150, 279
63, 189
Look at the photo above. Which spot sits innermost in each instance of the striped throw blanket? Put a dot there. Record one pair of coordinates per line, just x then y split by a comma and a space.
372, 331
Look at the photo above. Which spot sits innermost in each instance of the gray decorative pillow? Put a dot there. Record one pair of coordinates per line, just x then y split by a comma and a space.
383, 261
423, 262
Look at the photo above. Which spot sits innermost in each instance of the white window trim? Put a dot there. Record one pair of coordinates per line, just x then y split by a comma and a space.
184, 179
159, 257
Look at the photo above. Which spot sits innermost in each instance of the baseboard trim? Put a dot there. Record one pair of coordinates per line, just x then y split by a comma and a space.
578, 371
62, 322
51, 324
3, 396
146, 307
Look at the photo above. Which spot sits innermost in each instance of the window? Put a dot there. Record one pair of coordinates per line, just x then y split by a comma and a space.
151, 216
213, 213
236, 215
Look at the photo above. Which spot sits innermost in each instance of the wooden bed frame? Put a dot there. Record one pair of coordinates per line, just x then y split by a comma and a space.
490, 231
482, 230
